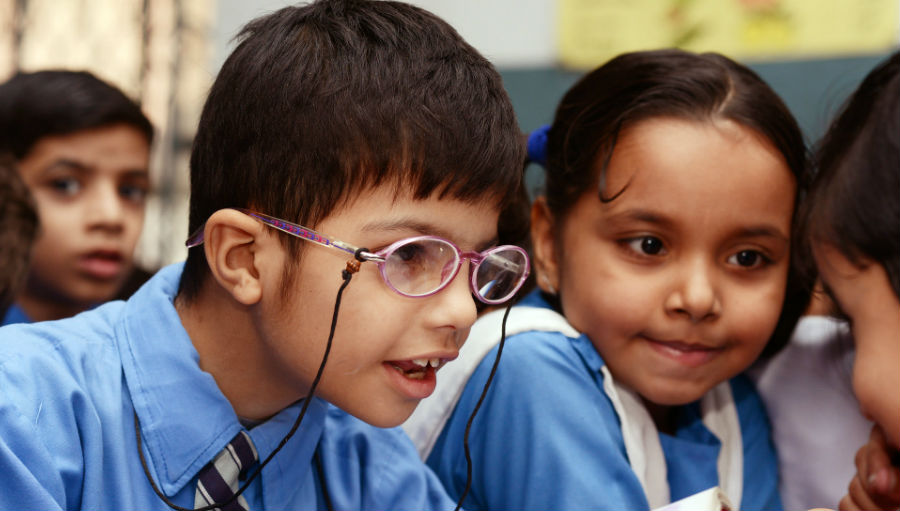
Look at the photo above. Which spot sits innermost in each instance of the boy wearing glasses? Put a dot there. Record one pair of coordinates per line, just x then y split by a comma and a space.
346, 179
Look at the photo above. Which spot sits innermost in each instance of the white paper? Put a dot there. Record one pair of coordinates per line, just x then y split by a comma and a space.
712, 499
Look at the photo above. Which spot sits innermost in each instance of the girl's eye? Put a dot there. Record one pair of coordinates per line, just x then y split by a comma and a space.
66, 186
748, 259
646, 245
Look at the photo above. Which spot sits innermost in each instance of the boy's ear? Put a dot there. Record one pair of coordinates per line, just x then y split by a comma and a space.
544, 243
232, 244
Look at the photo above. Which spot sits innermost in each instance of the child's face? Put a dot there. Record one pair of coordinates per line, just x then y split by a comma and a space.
678, 281
866, 297
378, 330
89, 188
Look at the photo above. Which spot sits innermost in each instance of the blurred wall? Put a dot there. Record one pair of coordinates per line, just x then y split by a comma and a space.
158, 52
165, 53
520, 37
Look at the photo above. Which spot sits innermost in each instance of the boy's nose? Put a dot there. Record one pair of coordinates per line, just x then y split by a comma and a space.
695, 295
457, 305
103, 207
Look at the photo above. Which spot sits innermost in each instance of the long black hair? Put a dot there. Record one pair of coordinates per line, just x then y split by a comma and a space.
672, 83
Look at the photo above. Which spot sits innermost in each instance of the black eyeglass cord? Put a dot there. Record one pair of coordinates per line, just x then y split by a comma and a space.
346, 274
487, 384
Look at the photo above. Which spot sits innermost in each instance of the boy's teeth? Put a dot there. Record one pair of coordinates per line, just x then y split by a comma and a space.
423, 363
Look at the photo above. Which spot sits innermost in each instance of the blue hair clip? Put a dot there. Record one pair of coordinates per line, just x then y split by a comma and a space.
537, 145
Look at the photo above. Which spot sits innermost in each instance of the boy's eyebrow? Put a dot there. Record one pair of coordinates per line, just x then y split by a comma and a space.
140, 173
420, 227
80, 167
68, 164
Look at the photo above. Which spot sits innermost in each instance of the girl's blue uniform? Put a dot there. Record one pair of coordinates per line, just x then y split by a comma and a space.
548, 437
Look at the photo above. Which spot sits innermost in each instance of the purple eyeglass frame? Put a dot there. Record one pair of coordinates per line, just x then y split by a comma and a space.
381, 256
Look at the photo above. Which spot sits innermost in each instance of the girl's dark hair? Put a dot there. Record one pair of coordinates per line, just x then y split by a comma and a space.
322, 101
669, 83
853, 204
59, 102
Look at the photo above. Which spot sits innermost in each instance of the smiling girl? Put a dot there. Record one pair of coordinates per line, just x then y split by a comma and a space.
663, 253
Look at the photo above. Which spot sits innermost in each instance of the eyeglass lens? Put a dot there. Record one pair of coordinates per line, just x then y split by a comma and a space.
499, 274
421, 267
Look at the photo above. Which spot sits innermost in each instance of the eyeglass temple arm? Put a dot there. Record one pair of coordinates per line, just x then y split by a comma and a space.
509, 265
290, 228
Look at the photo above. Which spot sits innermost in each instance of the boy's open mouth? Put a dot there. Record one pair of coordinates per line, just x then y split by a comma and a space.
102, 264
416, 369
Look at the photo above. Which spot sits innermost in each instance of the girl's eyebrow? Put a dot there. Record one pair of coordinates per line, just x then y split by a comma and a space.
762, 231
421, 228
650, 217
640, 215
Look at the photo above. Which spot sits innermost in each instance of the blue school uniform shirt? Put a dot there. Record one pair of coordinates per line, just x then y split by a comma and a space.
548, 437
14, 314
70, 390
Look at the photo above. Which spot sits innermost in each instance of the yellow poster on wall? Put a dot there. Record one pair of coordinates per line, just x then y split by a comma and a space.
592, 31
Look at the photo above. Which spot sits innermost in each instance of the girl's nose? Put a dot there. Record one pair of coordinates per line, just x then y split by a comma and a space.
696, 295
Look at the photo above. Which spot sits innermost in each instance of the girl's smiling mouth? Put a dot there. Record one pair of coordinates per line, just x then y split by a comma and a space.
687, 353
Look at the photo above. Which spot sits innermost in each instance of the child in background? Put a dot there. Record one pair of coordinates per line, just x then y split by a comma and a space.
83, 149
663, 258
258, 375
809, 382
18, 227
851, 222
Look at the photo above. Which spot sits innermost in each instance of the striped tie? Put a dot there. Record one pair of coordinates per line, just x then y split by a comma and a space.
218, 480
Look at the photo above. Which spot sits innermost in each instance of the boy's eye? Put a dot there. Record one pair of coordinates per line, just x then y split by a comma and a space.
133, 193
647, 245
409, 252
748, 259
66, 186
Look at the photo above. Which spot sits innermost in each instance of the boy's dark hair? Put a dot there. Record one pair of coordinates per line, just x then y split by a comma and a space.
320, 102
18, 228
636, 86
59, 102
852, 204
